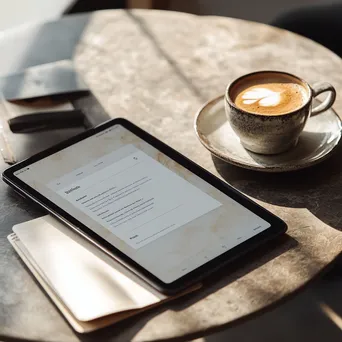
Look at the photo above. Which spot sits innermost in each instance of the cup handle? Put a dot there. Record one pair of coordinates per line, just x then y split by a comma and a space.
320, 88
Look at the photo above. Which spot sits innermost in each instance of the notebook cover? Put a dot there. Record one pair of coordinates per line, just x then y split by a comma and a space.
89, 288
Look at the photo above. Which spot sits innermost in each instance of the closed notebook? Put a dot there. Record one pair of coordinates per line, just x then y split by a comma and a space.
90, 289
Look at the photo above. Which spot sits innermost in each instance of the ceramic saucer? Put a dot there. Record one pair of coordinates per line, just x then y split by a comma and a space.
318, 140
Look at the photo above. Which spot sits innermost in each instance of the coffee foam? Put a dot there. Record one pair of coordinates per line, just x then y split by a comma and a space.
263, 96
273, 95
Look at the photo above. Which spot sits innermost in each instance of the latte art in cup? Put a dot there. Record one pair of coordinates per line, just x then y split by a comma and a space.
274, 98
269, 109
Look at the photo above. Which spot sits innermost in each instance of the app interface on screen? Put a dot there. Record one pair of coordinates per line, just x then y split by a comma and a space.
145, 204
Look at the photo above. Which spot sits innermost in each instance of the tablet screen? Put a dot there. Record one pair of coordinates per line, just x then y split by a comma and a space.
145, 204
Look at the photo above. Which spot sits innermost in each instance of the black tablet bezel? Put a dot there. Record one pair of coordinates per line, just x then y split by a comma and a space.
277, 225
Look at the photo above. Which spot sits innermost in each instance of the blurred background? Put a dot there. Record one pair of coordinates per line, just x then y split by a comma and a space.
16, 12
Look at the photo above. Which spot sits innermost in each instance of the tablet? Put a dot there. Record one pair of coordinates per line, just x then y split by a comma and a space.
158, 213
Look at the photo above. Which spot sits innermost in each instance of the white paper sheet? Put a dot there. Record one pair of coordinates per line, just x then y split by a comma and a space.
89, 286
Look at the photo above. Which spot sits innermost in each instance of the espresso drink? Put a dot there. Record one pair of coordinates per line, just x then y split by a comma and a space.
273, 97
268, 110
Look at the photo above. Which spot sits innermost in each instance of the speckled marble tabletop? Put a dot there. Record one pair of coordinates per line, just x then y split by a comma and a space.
156, 69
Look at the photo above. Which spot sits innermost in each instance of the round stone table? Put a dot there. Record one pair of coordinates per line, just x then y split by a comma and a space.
156, 69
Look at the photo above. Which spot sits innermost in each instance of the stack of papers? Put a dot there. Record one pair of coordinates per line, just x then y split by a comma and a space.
90, 289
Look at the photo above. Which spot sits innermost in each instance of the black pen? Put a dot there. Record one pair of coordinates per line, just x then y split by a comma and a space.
43, 121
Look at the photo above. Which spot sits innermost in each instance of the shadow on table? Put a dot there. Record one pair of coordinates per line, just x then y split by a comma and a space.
239, 269
128, 328
318, 188
122, 331
148, 33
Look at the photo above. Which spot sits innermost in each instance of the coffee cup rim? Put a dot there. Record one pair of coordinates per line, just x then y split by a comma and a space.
231, 84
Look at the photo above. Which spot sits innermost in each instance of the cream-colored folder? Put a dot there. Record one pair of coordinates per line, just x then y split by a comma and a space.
90, 289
